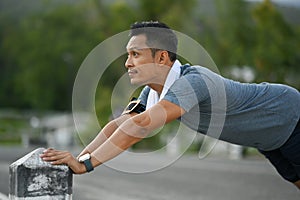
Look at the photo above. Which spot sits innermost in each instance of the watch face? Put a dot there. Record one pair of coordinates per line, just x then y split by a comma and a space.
84, 157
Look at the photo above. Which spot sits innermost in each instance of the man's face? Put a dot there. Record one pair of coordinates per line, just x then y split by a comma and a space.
141, 65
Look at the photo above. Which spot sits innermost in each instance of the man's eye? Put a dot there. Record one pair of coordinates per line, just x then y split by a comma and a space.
133, 53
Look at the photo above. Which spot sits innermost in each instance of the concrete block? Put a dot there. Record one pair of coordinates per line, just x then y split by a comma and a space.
31, 178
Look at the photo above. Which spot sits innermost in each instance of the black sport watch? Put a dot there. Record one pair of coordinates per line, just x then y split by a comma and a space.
86, 160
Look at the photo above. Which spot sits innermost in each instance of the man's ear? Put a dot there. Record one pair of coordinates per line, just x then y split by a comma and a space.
163, 57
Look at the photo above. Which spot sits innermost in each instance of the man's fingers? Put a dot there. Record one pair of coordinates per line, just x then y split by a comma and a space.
51, 150
56, 157
58, 162
48, 150
51, 157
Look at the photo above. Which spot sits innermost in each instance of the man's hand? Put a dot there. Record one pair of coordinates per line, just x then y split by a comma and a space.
56, 157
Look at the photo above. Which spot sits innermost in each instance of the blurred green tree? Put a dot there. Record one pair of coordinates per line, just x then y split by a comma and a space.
235, 36
47, 49
175, 13
256, 36
277, 45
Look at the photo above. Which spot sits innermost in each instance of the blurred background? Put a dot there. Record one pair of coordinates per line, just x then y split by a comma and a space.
43, 43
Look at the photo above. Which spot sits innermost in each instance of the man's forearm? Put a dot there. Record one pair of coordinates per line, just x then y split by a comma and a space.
116, 144
104, 134
130, 132
134, 129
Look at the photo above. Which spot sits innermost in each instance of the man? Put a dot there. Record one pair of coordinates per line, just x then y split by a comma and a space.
264, 116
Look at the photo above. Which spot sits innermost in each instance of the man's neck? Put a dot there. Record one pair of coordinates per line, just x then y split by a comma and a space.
158, 86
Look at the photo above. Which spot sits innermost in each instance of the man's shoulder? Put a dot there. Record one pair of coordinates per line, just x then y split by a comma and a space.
187, 69
193, 69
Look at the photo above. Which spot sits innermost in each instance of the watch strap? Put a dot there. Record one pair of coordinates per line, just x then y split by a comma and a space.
88, 165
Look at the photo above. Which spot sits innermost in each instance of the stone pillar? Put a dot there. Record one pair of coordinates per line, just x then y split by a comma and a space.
31, 178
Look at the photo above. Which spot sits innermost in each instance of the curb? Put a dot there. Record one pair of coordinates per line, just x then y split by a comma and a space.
3, 197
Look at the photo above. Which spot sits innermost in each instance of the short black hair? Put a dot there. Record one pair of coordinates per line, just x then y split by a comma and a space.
159, 36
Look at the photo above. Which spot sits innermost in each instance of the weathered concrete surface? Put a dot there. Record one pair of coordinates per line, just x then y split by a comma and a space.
31, 178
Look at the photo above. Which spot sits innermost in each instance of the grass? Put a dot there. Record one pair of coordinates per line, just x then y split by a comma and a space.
11, 130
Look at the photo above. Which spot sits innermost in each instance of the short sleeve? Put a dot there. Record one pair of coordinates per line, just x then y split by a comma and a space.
188, 91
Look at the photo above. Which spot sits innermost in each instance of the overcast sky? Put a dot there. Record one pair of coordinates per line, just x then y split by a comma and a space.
286, 2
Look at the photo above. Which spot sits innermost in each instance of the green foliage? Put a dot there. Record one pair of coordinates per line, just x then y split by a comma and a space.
10, 130
47, 49
277, 47
235, 33
256, 36
166, 11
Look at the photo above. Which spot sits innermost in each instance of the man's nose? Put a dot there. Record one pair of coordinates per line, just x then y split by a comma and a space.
128, 63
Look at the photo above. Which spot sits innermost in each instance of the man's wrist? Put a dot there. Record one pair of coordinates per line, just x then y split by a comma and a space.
86, 161
82, 168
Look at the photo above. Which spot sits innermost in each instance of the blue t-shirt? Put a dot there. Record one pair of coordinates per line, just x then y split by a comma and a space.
256, 115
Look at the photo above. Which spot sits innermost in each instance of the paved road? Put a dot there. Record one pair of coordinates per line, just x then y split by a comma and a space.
187, 179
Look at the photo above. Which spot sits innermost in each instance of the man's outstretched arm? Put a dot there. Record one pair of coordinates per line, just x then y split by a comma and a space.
105, 133
130, 132
135, 129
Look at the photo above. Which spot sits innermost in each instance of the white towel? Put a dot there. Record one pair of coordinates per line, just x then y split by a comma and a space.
173, 75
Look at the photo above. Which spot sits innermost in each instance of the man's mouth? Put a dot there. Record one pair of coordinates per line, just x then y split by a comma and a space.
131, 72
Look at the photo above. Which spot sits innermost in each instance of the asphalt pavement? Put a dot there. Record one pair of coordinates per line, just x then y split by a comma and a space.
189, 178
